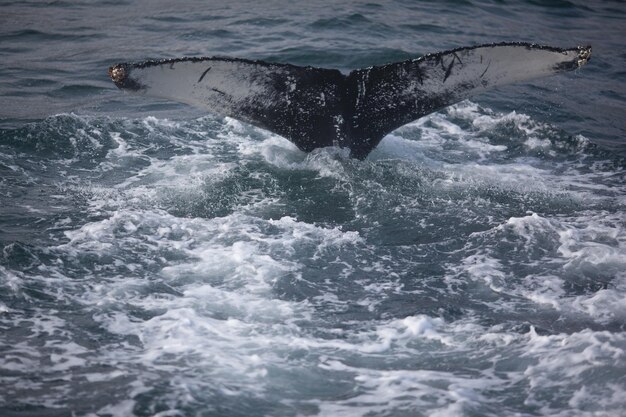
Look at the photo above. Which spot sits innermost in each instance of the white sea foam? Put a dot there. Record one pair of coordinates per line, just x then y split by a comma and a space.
409, 392
468, 153
181, 311
10, 280
225, 315
591, 244
542, 362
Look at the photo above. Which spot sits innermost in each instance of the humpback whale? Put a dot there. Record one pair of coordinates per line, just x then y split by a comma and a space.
317, 107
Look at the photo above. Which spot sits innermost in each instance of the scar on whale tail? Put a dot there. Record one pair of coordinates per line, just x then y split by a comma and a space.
315, 107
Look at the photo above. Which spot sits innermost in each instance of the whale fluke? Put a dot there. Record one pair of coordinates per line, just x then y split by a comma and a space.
316, 107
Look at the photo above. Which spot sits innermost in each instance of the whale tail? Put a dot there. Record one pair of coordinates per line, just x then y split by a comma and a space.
315, 107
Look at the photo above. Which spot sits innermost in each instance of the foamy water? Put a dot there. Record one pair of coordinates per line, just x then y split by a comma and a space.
229, 272
159, 261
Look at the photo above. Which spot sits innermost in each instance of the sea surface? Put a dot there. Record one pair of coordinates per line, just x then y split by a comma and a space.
156, 260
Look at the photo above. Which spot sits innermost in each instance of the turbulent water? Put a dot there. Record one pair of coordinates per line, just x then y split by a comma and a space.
155, 260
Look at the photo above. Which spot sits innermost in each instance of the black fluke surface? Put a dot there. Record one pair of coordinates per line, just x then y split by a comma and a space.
316, 107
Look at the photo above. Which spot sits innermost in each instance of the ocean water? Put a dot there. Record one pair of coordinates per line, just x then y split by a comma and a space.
159, 261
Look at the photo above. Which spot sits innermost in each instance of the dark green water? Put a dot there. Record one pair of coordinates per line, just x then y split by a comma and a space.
155, 260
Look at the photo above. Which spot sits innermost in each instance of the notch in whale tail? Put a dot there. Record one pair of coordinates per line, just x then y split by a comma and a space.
315, 107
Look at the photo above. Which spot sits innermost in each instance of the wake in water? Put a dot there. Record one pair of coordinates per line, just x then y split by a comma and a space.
474, 264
